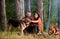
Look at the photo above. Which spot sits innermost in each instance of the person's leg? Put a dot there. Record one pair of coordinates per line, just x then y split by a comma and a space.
36, 29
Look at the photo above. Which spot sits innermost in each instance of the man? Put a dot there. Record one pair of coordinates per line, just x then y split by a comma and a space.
28, 17
29, 29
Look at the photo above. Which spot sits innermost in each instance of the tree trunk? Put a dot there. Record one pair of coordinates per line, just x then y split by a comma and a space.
3, 14
59, 14
19, 9
29, 6
40, 8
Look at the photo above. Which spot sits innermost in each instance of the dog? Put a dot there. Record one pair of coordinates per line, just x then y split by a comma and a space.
20, 25
23, 26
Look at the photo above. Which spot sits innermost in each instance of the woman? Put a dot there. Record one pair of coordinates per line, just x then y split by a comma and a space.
37, 21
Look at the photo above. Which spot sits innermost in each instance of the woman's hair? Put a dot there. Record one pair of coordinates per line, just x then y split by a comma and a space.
37, 14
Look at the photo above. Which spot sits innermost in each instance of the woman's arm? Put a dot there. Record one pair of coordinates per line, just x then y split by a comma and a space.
35, 21
40, 25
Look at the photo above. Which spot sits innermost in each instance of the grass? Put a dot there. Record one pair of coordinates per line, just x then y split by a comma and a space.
4, 35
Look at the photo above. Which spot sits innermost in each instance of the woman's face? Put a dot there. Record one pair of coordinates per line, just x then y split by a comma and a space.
36, 15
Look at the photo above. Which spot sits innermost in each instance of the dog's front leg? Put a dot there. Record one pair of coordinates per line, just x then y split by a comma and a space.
20, 28
10, 28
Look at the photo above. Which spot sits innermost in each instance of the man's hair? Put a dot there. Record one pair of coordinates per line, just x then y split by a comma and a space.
28, 11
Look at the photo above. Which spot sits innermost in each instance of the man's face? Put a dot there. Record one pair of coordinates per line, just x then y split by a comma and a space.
28, 14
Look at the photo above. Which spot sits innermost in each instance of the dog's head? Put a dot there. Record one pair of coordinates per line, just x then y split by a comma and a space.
27, 21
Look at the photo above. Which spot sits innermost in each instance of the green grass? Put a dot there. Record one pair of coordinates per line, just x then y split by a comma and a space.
4, 35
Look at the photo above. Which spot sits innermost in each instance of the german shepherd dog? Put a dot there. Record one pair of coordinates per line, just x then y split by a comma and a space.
20, 25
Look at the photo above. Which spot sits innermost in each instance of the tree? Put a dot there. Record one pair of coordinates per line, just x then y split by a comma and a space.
46, 7
19, 9
29, 6
40, 8
58, 14
3, 14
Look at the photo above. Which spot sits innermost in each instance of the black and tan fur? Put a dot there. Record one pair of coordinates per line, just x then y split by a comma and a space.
20, 25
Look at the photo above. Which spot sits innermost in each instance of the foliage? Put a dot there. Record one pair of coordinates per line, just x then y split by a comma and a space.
34, 6
10, 9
